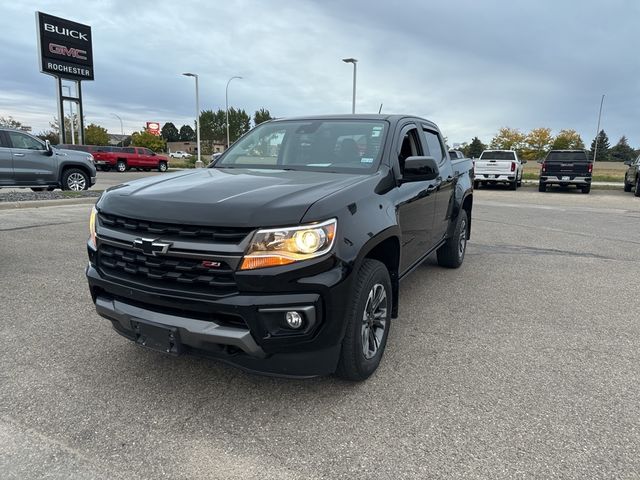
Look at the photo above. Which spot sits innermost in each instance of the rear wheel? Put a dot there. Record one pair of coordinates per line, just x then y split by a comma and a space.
451, 254
476, 184
121, 166
627, 186
542, 187
368, 322
75, 179
586, 189
162, 166
513, 185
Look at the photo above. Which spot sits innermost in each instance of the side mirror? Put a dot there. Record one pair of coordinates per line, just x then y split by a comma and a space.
419, 169
48, 148
628, 162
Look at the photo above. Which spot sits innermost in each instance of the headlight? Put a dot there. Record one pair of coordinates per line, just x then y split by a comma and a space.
91, 158
92, 228
282, 246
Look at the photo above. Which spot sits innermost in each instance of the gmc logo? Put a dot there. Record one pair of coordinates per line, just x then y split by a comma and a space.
68, 52
67, 32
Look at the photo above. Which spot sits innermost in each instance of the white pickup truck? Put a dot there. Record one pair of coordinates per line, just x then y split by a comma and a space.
499, 166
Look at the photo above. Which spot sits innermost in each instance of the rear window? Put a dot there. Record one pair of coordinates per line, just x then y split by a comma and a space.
578, 156
498, 156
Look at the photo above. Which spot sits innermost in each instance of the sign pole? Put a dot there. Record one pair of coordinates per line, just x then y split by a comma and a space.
80, 115
62, 134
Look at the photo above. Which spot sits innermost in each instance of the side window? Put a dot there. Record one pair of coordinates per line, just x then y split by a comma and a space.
4, 142
410, 147
129, 150
435, 147
20, 140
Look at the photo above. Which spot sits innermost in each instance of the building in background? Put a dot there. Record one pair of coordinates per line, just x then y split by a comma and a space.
192, 147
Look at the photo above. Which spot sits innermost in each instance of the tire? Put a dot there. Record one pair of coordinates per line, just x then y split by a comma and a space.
359, 356
542, 187
513, 185
586, 189
105, 168
520, 181
451, 254
637, 192
162, 167
75, 179
121, 166
476, 184
627, 186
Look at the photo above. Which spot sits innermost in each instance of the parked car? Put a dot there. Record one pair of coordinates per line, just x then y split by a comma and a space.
283, 260
566, 167
179, 154
214, 156
125, 158
28, 162
632, 176
498, 166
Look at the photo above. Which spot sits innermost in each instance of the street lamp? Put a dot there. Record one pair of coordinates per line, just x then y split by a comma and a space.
199, 163
121, 128
71, 122
226, 100
354, 61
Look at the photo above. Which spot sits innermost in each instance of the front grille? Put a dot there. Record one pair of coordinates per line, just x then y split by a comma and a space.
216, 234
167, 272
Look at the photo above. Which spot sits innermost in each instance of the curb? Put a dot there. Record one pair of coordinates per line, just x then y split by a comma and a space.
48, 203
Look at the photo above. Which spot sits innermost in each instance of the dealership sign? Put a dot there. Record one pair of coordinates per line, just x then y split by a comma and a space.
65, 48
153, 128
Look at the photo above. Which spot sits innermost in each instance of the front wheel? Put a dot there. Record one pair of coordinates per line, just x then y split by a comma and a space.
162, 167
368, 321
121, 166
451, 254
542, 187
637, 192
75, 180
476, 184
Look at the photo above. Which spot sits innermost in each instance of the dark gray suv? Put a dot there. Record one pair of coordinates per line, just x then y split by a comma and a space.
27, 161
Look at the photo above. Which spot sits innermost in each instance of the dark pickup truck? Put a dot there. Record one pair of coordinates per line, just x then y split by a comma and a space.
632, 176
566, 167
285, 255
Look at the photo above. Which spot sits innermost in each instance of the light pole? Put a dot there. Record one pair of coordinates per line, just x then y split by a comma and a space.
226, 101
353, 101
71, 122
121, 128
199, 163
595, 149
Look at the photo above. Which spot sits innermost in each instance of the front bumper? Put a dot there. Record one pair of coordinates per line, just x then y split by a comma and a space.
93, 180
565, 180
240, 329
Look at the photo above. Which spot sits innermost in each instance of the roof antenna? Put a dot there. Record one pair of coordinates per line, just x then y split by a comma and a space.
380, 109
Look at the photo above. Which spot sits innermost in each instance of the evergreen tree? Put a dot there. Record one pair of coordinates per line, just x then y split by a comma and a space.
169, 132
474, 149
621, 152
261, 115
603, 154
186, 134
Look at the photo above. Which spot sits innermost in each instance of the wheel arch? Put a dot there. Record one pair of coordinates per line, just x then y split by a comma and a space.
70, 166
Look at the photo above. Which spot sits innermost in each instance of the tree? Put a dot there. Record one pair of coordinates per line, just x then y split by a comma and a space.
148, 140
567, 140
474, 149
169, 132
68, 120
621, 152
239, 124
186, 134
50, 135
10, 122
95, 135
603, 147
537, 143
509, 139
261, 115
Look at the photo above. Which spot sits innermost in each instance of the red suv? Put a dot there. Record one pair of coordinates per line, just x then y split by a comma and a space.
123, 158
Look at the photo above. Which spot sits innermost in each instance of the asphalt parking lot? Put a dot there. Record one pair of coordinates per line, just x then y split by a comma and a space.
524, 363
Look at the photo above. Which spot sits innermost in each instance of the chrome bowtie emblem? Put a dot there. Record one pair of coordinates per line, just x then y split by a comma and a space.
151, 246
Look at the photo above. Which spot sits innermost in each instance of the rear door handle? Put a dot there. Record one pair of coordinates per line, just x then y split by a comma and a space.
18, 154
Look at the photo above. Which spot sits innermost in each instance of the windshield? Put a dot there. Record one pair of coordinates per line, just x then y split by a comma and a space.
324, 145
498, 156
578, 156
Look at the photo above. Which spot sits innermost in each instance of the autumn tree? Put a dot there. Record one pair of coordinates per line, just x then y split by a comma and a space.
148, 140
509, 139
169, 132
603, 154
567, 139
95, 135
537, 143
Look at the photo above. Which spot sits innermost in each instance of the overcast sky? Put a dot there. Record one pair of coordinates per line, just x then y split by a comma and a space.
471, 66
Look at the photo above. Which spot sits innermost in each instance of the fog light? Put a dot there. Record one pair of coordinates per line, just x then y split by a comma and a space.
294, 319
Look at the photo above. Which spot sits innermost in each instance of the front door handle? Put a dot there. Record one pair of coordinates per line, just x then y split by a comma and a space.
18, 154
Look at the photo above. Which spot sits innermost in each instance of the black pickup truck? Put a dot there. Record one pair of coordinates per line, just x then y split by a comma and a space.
566, 167
285, 255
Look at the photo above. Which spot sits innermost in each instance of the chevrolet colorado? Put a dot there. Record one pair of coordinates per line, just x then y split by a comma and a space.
285, 255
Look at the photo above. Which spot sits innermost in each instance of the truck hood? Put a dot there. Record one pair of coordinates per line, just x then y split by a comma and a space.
224, 196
